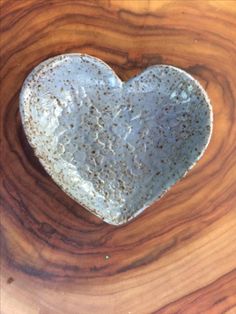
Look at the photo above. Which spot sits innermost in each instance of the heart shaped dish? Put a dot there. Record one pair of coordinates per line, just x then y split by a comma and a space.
115, 147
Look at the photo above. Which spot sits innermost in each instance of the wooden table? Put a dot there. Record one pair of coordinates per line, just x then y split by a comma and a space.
177, 257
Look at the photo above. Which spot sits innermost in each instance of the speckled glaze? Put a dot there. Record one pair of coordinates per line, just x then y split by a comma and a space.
115, 147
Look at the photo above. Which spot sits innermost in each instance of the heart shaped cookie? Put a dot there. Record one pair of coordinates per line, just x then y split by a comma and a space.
115, 147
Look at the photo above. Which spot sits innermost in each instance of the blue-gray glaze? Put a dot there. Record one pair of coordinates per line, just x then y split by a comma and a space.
115, 147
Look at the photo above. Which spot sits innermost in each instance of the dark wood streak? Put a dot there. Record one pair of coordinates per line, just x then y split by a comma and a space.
209, 298
179, 255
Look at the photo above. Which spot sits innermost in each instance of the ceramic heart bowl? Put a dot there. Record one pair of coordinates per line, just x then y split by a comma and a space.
115, 147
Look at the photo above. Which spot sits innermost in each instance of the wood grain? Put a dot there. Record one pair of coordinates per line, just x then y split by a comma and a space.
177, 257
